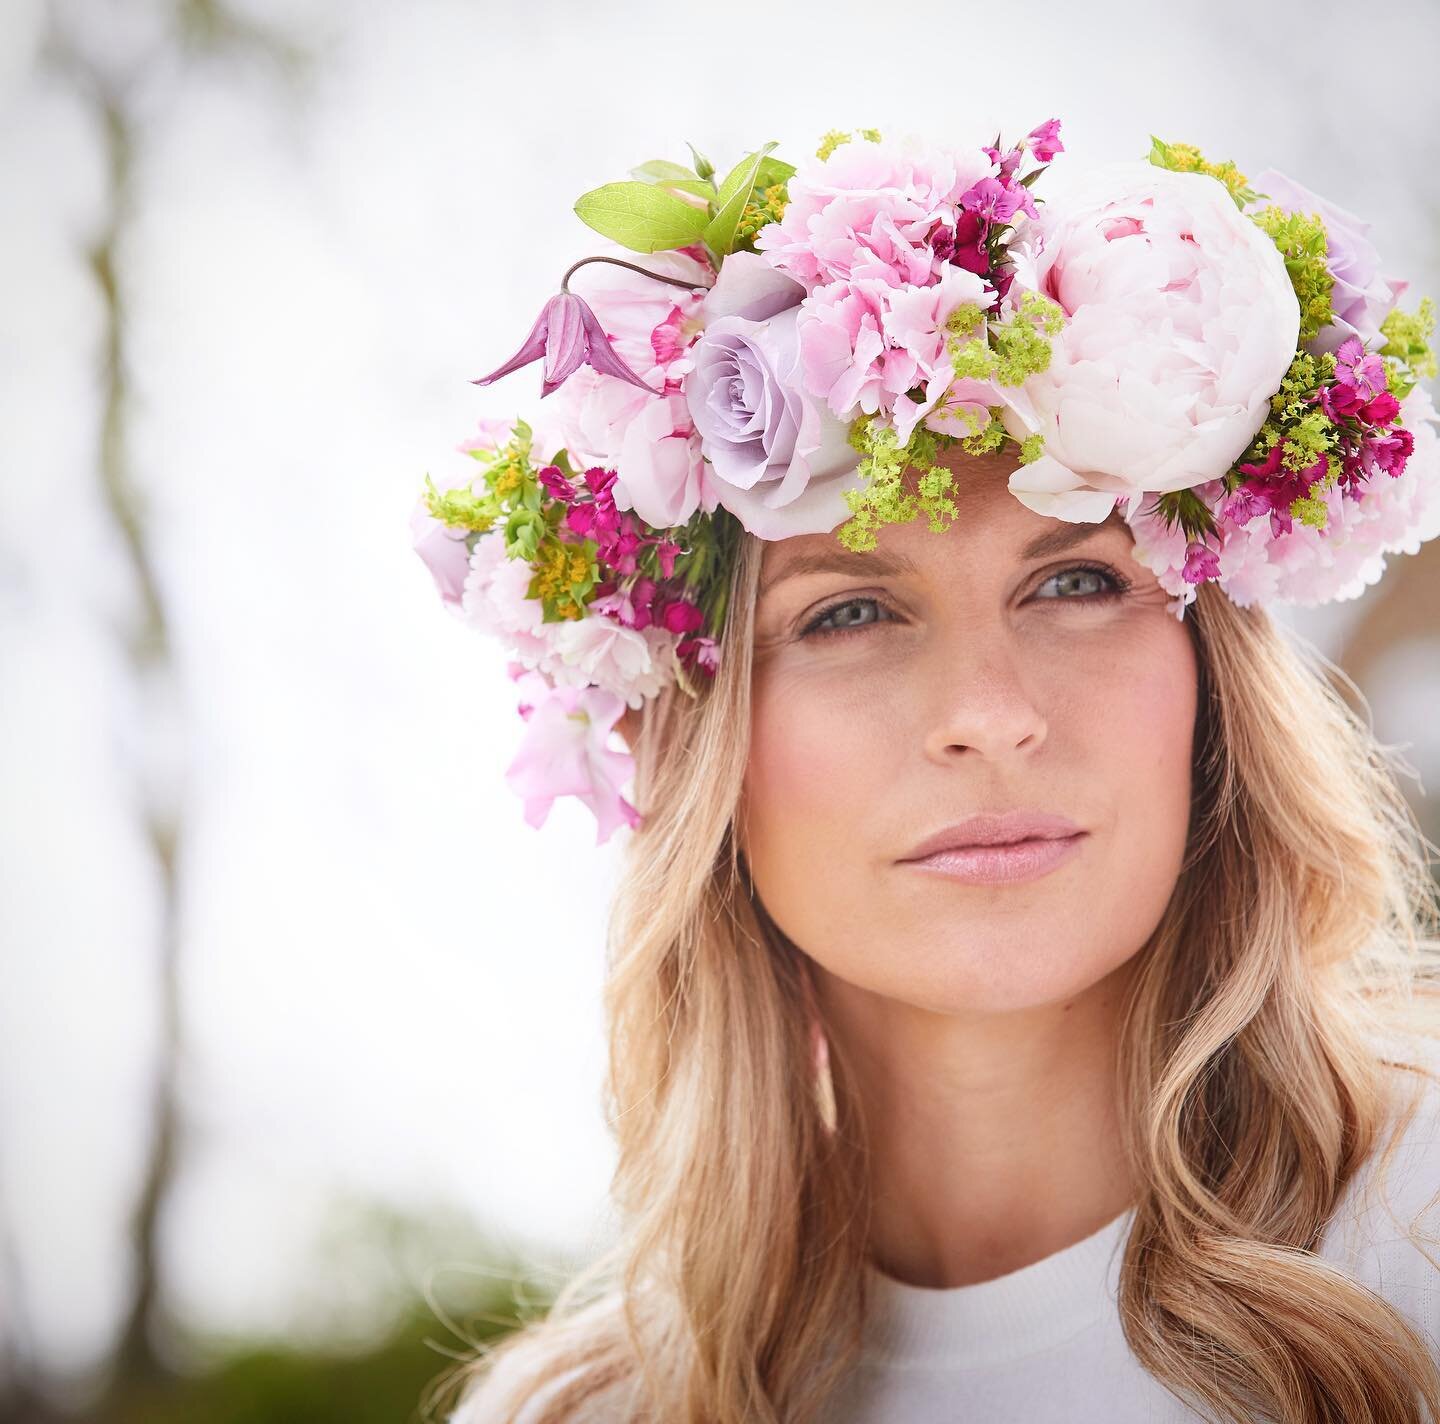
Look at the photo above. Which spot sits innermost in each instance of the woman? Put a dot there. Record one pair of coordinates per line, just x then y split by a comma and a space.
1136, 1119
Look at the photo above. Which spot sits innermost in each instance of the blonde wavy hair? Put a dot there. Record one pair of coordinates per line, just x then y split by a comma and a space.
1302, 929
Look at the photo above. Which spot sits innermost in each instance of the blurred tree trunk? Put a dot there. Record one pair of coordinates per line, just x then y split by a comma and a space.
113, 94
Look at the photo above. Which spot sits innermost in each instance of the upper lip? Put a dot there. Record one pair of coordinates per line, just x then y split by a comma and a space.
1004, 828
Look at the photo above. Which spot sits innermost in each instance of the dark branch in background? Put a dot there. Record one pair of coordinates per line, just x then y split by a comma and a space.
198, 30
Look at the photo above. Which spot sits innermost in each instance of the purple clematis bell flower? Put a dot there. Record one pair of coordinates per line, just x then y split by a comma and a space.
569, 335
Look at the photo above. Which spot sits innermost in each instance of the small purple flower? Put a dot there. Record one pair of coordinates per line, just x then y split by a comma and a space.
556, 484
568, 335
1355, 368
992, 200
1201, 563
1045, 140
1391, 451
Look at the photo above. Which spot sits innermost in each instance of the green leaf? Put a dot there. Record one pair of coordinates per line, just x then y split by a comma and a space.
673, 177
730, 201
697, 186
640, 216
773, 171
661, 170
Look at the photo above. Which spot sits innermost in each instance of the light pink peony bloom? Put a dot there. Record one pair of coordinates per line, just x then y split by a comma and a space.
779, 460
661, 473
871, 212
1181, 324
564, 753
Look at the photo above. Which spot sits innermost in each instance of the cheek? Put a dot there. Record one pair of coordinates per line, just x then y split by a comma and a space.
816, 759
1139, 726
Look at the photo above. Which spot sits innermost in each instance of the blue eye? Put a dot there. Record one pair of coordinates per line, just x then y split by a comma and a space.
1098, 583
1112, 583
852, 626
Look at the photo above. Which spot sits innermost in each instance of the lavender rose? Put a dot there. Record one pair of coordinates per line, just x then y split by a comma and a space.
1362, 298
781, 462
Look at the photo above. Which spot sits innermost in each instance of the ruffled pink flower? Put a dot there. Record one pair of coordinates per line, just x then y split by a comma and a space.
865, 344
871, 212
1044, 140
495, 600
633, 664
564, 753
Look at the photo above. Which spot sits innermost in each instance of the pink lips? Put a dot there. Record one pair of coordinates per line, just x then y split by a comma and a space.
998, 850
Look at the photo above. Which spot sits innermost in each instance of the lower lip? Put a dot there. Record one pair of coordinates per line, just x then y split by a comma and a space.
1001, 864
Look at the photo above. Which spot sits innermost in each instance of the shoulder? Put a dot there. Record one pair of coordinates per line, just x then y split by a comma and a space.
488, 1399
1386, 1230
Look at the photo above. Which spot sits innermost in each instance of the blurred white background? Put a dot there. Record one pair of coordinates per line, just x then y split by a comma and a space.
388, 985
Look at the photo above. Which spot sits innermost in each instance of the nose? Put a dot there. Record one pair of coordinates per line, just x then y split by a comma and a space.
980, 699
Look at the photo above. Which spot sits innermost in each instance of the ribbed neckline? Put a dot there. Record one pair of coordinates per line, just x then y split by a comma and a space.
1014, 1315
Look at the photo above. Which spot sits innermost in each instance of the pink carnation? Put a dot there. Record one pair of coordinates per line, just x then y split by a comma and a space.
1305, 565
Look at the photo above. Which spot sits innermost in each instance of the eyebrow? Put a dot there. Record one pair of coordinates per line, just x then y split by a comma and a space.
844, 561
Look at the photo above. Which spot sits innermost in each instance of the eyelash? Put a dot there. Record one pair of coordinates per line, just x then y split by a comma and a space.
1120, 584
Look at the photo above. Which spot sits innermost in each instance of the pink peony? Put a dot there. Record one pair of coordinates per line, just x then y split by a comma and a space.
599, 649
1181, 324
495, 601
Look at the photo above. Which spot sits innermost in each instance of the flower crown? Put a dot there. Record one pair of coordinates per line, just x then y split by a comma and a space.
1231, 367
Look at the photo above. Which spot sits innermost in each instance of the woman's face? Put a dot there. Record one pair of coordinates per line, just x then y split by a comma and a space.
1014, 662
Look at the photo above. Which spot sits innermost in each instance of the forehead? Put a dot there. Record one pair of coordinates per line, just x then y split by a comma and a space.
988, 519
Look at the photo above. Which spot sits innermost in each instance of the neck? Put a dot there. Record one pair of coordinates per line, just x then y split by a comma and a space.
994, 1139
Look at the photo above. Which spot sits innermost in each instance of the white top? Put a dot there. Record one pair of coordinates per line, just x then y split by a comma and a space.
1044, 1344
